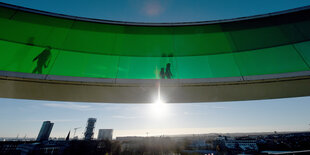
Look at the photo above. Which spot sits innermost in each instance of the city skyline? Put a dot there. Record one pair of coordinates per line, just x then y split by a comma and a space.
288, 114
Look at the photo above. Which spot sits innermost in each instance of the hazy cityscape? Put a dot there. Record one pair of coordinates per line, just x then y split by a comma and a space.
101, 134
210, 144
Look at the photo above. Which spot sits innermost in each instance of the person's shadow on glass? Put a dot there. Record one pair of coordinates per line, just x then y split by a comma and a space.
162, 73
43, 60
168, 71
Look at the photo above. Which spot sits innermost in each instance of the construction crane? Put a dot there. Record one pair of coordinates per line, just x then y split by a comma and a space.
75, 131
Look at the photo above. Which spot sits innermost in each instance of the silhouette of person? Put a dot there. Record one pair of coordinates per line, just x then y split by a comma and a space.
162, 73
168, 71
43, 60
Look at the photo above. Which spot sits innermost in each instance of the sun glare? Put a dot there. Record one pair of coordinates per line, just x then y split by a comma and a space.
159, 107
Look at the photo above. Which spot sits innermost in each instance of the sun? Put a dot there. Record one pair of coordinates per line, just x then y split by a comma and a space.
158, 109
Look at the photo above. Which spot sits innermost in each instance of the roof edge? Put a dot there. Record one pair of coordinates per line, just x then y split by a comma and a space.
114, 22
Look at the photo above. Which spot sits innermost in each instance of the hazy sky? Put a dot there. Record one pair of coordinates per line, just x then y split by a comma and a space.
161, 10
26, 116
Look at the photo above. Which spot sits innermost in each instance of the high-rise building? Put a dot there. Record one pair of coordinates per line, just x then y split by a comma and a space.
89, 130
45, 131
105, 134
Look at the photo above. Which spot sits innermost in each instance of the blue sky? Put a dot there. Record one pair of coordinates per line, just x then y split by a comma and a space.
26, 116
161, 10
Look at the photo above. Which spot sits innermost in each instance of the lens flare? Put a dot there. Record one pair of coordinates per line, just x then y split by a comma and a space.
159, 107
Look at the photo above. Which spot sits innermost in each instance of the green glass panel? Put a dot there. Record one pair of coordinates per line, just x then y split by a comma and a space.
258, 38
223, 65
27, 59
194, 67
200, 40
292, 33
145, 67
92, 37
275, 60
35, 29
304, 28
6, 12
213, 66
145, 41
304, 50
85, 65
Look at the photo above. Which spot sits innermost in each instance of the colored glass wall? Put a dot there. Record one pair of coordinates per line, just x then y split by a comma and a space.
40, 44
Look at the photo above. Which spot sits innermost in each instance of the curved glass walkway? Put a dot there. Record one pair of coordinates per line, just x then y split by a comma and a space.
47, 47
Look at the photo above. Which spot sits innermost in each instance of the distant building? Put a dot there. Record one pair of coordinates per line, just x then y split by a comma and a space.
46, 147
89, 131
237, 145
130, 138
199, 144
45, 131
244, 145
105, 134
